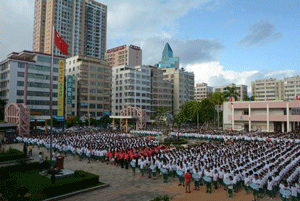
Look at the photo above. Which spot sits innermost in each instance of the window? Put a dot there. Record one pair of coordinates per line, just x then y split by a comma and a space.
20, 92
21, 74
21, 65
20, 83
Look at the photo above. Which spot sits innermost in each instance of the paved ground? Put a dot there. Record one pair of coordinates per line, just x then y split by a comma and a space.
124, 186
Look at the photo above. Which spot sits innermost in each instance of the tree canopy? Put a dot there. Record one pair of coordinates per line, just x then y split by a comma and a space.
190, 110
231, 93
217, 98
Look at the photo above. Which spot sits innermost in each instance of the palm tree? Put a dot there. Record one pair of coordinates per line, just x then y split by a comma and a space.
231, 93
217, 98
249, 98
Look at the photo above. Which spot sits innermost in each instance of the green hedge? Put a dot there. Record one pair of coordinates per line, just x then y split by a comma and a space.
23, 167
20, 179
11, 154
81, 180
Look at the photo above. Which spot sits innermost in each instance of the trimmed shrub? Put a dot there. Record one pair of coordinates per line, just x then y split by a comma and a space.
175, 142
11, 154
17, 180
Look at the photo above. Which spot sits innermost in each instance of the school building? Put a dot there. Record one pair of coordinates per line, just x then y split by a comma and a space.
263, 116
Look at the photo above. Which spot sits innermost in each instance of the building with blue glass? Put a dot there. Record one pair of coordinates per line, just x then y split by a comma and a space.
167, 59
182, 81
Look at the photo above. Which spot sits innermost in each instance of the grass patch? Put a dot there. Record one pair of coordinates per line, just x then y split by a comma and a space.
11, 154
14, 185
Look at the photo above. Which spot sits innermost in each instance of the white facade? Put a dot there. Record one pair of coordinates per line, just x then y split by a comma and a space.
272, 89
131, 85
202, 91
13, 81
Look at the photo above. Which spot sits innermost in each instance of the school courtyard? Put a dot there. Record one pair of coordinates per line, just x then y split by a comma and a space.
126, 187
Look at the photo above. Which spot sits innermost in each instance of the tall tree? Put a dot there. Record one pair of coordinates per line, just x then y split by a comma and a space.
190, 110
2, 109
217, 98
249, 98
231, 92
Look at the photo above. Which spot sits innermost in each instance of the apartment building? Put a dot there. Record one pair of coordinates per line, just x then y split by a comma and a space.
242, 90
124, 55
272, 89
14, 81
131, 85
161, 90
202, 91
183, 84
91, 93
81, 23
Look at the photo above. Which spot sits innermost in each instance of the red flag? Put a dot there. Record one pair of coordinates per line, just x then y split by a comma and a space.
60, 43
297, 97
150, 137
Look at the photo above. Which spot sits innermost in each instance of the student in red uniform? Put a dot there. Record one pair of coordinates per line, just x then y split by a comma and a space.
117, 158
188, 177
122, 159
126, 157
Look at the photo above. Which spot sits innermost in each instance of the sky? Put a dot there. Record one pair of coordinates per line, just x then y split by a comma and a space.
222, 42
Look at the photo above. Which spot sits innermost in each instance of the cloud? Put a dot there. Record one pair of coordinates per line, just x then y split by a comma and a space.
130, 19
188, 51
260, 34
16, 26
215, 74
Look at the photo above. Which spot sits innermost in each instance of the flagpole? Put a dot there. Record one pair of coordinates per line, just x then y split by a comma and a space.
50, 104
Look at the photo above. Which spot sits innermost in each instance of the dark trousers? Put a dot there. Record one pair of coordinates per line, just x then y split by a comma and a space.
126, 164
122, 163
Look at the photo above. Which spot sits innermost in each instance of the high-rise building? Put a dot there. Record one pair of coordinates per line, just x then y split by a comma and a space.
140, 86
131, 85
167, 60
13, 81
161, 90
124, 55
242, 90
81, 23
202, 90
183, 86
182, 81
91, 87
272, 89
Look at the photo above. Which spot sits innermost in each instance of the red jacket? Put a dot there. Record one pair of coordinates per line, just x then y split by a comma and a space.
187, 177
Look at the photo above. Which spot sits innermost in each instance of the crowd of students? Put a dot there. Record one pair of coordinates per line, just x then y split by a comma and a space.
265, 167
